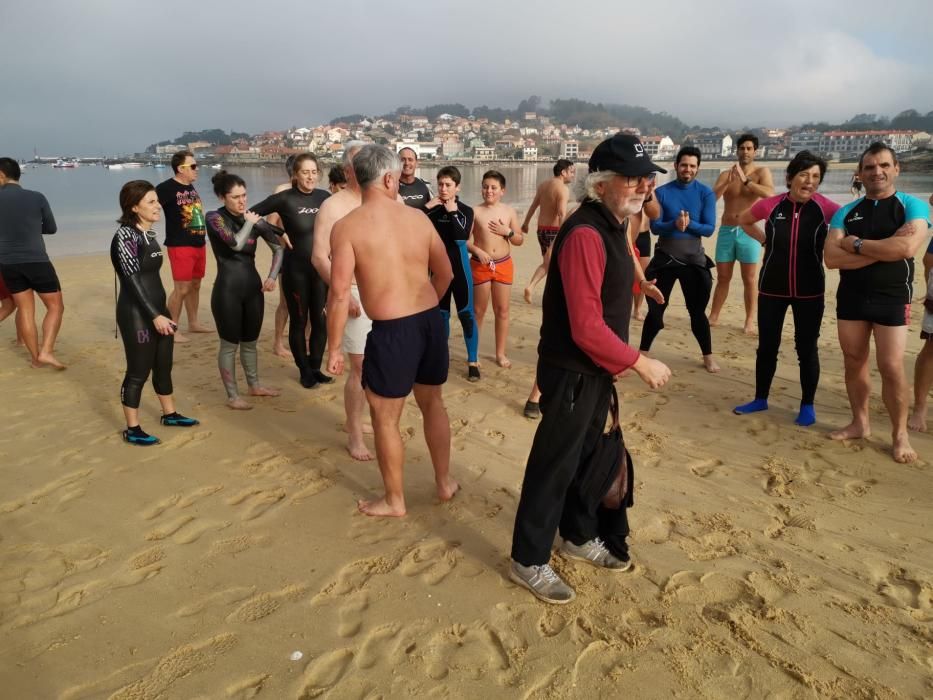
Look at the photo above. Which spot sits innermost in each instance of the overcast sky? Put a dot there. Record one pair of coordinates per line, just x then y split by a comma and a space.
86, 77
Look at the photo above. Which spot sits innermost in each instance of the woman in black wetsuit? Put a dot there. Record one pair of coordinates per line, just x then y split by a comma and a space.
142, 315
305, 291
236, 300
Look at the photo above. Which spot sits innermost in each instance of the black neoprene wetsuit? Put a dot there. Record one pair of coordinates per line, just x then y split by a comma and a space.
137, 258
415, 194
236, 300
305, 291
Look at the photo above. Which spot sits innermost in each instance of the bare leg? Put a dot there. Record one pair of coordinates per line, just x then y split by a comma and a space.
437, 435
890, 343
51, 325
192, 301
481, 293
390, 452
167, 401
923, 381
750, 287
26, 324
281, 320
174, 303
709, 362
853, 339
640, 297
354, 401
500, 309
535, 395
7, 307
539, 274
723, 278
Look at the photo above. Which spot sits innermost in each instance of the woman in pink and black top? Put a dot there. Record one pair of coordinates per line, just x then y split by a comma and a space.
791, 275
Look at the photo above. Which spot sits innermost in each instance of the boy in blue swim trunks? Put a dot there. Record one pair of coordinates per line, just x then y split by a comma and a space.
740, 186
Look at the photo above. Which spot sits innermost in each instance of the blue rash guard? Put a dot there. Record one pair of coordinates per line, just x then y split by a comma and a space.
700, 202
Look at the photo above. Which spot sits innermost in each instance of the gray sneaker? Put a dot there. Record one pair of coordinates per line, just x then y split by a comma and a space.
594, 552
543, 582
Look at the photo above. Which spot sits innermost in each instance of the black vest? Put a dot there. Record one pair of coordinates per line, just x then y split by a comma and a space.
557, 346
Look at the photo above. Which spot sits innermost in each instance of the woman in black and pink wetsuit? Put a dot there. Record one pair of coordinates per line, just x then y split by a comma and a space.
145, 324
236, 300
796, 224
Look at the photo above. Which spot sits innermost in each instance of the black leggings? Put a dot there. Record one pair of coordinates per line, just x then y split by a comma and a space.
808, 314
238, 307
305, 296
461, 290
696, 283
146, 351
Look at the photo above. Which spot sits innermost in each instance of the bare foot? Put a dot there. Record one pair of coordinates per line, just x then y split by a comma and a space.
238, 404
198, 328
527, 295
379, 508
359, 451
918, 421
853, 431
448, 489
264, 391
710, 363
639, 315
503, 361
750, 328
713, 320
179, 338
282, 351
903, 452
47, 359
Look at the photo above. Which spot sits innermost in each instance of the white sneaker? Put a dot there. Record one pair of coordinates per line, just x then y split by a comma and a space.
543, 583
595, 552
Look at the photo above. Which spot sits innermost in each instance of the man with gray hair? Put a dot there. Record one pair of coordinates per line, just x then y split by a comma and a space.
584, 346
389, 249
359, 324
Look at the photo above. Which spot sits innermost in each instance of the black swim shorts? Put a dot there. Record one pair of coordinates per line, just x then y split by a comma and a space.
39, 276
406, 351
853, 307
643, 244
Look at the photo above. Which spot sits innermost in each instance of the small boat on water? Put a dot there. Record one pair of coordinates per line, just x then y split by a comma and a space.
120, 166
64, 164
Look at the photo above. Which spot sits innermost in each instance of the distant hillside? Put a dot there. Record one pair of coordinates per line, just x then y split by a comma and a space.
218, 137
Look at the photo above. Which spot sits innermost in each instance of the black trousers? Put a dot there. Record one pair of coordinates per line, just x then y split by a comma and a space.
696, 283
305, 297
808, 314
574, 408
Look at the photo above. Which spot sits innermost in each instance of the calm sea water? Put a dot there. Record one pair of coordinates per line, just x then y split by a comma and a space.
84, 200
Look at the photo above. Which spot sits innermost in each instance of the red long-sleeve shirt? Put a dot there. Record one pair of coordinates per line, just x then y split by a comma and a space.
582, 262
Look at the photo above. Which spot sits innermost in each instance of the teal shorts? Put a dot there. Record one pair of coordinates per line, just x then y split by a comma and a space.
732, 243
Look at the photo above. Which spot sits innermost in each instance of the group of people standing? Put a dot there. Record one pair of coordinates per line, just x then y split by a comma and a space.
365, 276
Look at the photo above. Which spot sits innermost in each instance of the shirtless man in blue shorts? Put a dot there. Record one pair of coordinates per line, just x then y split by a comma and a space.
740, 186
390, 248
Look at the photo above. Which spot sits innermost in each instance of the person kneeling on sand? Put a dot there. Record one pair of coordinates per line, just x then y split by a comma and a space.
390, 248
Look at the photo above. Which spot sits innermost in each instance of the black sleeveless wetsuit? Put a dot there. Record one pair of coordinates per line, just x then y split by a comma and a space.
137, 258
305, 291
236, 300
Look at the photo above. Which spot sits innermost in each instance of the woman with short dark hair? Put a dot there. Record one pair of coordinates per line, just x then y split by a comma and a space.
796, 224
142, 315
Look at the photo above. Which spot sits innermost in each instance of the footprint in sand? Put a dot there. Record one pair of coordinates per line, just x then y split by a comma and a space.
36, 496
218, 599
906, 591
432, 561
351, 614
264, 604
377, 646
189, 438
256, 501
376, 530
474, 651
192, 534
247, 688
235, 545
764, 432
705, 467
323, 673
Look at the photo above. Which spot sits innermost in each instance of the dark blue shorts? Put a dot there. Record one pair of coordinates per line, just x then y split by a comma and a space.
406, 351
850, 307
38, 276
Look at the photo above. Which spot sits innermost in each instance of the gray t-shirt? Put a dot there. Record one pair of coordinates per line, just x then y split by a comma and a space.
25, 216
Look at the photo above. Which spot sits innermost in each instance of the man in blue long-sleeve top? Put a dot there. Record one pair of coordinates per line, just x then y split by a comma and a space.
682, 213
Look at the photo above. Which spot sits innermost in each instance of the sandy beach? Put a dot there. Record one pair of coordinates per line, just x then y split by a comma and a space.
231, 562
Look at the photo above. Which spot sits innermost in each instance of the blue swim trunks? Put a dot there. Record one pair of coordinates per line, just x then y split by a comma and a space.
732, 243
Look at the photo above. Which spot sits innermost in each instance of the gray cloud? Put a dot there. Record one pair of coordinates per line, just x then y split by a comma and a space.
97, 76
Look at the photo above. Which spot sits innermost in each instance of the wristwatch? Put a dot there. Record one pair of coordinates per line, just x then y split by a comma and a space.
857, 246
511, 233
748, 181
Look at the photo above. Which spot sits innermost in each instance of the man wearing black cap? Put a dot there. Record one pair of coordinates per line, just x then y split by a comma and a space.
584, 344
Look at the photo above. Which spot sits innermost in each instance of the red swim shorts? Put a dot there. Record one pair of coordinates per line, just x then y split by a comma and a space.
187, 263
501, 271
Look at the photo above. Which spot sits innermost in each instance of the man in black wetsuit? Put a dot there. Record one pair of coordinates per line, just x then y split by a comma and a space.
413, 190
305, 291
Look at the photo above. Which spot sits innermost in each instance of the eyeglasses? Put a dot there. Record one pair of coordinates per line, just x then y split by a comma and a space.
193, 166
635, 181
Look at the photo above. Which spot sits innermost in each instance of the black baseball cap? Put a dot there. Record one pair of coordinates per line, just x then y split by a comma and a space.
623, 154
